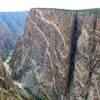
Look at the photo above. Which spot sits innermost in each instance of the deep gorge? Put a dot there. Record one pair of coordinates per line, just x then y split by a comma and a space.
58, 55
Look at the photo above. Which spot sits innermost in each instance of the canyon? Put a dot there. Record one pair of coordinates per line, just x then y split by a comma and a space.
57, 57
11, 27
59, 53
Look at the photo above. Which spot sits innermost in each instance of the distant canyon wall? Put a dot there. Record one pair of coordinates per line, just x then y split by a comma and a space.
11, 27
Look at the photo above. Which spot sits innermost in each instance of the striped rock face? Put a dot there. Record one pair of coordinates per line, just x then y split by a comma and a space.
62, 50
86, 81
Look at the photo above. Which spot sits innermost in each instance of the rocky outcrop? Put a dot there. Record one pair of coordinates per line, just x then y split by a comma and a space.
11, 27
8, 91
61, 49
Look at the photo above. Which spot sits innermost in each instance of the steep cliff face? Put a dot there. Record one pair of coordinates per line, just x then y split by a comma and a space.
61, 49
11, 27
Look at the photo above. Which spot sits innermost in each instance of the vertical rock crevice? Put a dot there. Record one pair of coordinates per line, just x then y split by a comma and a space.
73, 48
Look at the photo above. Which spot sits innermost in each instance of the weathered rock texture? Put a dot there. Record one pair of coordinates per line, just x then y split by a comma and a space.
62, 48
8, 91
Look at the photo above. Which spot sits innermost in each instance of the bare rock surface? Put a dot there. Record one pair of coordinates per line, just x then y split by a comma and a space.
62, 48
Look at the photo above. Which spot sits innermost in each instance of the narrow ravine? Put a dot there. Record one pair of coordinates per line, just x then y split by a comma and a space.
26, 85
72, 54
23, 85
8, 69
6, 64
